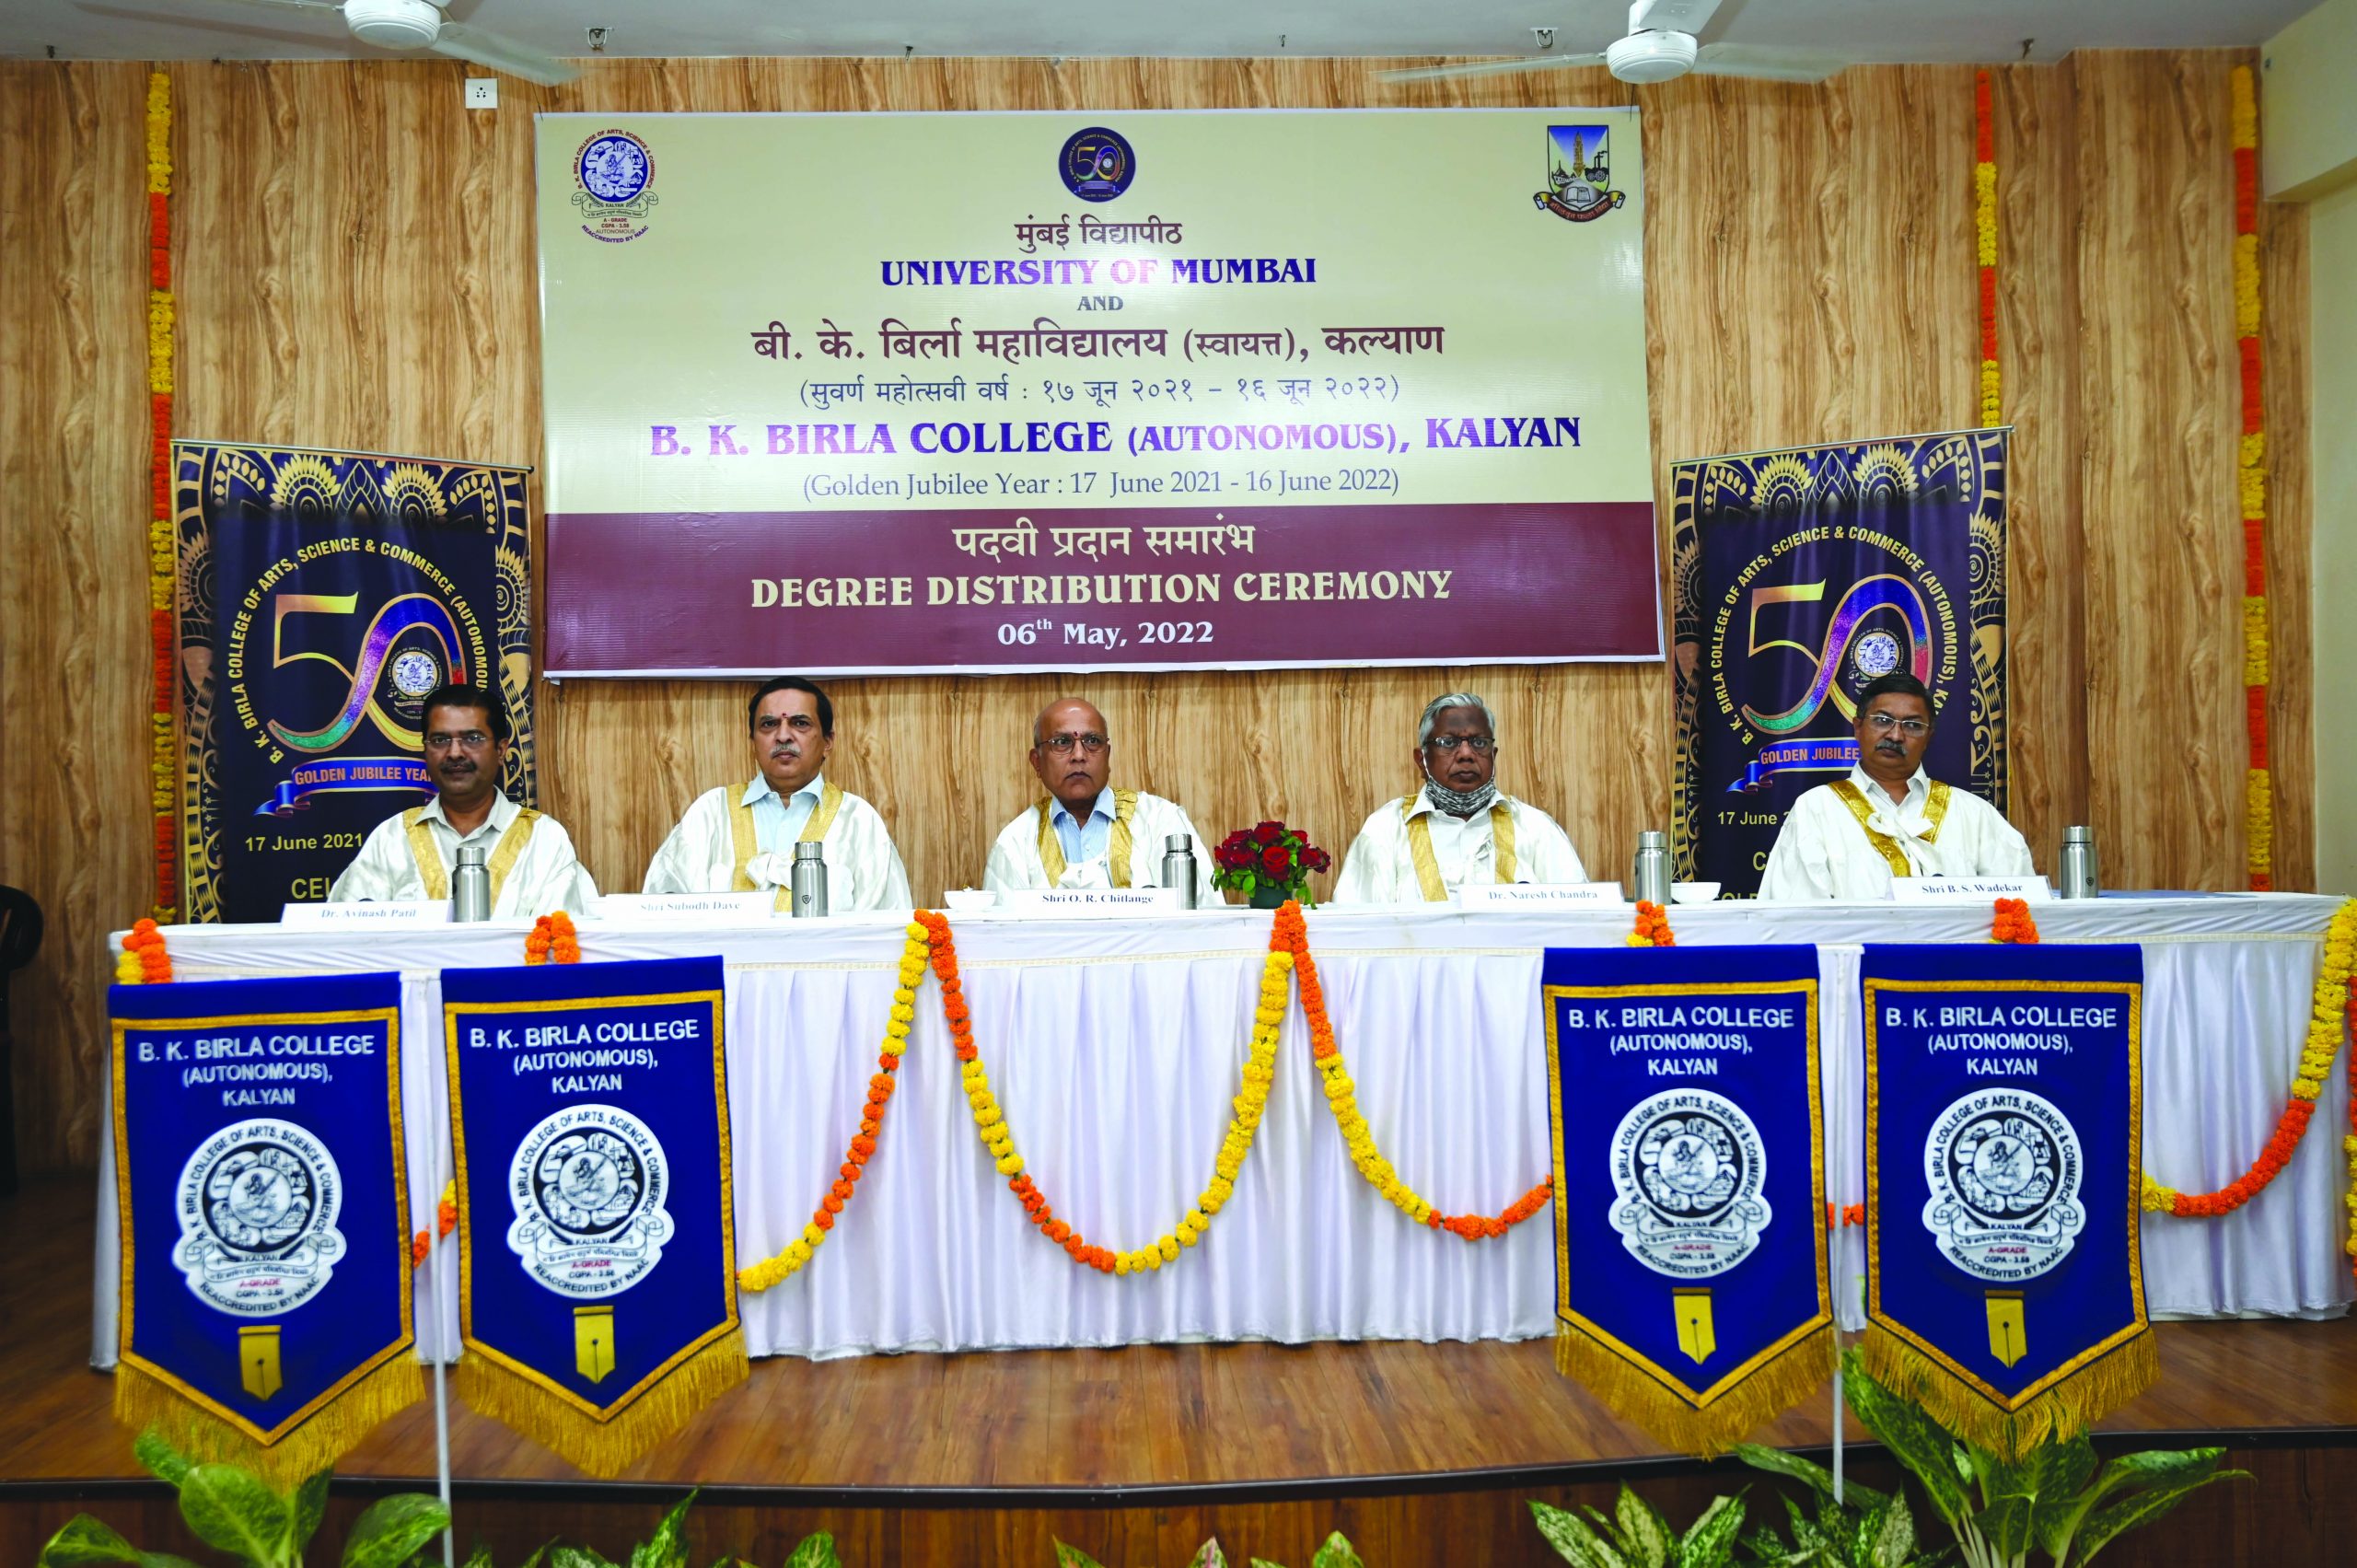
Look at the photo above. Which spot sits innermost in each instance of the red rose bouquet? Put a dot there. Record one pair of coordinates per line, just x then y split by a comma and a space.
1269, 862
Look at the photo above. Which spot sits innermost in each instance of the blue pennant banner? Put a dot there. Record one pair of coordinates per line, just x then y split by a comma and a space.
1690, 1290
597, 1260
2004, 1114
265, 1221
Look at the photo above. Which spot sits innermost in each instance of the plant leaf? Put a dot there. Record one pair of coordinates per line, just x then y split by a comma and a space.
1073, 1557
1912, 1436
2136, 1509
311, 1506
1336, 1552
2129, 1472
1573, 1540
234, 1511
479, 1557
1892, 1542
2006, 1524
85, 1540
816, 1550
666, 1547
391, 1529
563, 1556
1208, 1555
1775, 1461
1645, 1534
162, 1460
1709, 1541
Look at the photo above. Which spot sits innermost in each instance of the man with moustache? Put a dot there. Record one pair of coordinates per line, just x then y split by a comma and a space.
1086, 834
410, 856
740, 838
1456, 828
1849, 839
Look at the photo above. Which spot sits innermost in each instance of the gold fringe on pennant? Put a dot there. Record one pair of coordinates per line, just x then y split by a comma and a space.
332, 1430
2059, 1409
608, 1446
1628, 1391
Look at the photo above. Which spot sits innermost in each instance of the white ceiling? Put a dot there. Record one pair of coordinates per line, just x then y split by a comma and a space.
1912, 30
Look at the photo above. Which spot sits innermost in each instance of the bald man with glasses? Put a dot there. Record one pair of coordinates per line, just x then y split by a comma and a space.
1085, 833
1849, 839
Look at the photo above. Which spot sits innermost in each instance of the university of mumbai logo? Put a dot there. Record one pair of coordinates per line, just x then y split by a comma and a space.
1097, 164
415, 673
612, 176
1579, 175
1875, 654
588, 1184
258, 1204
2004, 1168
1687, 1174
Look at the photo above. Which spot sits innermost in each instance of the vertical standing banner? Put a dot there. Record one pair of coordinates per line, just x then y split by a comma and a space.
265, 1281
2003, 1119
597, 1259
1690, 1288
322, 595
1799, 576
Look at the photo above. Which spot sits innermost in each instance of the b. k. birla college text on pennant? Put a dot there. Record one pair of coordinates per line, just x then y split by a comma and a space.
264, 1216
598, 1262
2004, 1118
1690, 1288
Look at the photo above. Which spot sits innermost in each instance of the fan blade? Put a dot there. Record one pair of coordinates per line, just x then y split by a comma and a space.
274, 4
1487, 68
1768, 63
325, 43
462, 43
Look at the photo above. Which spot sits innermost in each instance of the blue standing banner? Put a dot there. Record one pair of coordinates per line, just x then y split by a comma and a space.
597, 1260
1799, 576
1691, 1294
265, 1272
2003, 1120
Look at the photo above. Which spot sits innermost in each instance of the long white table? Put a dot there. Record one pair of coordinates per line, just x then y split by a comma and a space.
1114, 1046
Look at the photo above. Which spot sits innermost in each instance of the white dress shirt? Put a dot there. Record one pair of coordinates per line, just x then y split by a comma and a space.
1014, 858
1823, 852
864, 869
546, 876
1381, 865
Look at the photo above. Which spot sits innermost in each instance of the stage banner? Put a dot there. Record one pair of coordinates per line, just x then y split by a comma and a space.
1691, 1287
597, 1250
1799, 575
322, 595
1121, 390
2003, 1116
265, 1271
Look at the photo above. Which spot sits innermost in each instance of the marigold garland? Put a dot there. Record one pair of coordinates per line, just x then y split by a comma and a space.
144, 960
2330, 1019
2011, 922
2258, 783
1842, 1216
2349, 1144
552, 941
1984, 237
1653, 927
446, 1220
162, 761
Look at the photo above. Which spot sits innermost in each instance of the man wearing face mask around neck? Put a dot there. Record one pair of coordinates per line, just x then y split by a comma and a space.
1849, 839
1457, 828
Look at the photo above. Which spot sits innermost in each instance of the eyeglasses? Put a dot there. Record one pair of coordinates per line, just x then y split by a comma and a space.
1483, 745
802, 723
470, 740
1062, 745
1882, 722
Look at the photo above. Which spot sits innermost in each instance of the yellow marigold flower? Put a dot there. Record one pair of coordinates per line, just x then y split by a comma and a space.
1167, 1246
1010, 1164
2305, 1088
813, 1235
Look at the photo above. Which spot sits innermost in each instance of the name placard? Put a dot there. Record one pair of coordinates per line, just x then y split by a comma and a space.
1082, 903
753, 905
1475, 896
1969, 890
406, 912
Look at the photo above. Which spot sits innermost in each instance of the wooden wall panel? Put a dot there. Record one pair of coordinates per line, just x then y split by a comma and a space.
356, 269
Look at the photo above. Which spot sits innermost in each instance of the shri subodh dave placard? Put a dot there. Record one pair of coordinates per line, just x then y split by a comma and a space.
598, 1269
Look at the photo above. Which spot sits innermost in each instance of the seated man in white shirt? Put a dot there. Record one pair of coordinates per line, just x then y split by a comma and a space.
738, 837
409, 854
1457, 828
1848, 840
1086, 834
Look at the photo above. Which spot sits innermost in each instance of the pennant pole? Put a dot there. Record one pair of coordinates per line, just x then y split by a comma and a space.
441, 1452
1837, 1434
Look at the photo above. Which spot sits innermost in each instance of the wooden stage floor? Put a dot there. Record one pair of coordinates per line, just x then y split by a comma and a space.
1203, 1421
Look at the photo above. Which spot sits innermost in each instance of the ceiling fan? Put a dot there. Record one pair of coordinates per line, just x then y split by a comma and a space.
1661, 46
409, 25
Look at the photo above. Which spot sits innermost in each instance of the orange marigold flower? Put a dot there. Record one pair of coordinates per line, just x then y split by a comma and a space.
417, 1246
863, 1146
1058, 1230
823, 1217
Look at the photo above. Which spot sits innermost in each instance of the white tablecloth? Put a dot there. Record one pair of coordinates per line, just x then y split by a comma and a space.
1114, 1046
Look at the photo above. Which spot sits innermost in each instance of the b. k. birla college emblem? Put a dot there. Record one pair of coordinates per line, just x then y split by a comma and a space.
1579, 174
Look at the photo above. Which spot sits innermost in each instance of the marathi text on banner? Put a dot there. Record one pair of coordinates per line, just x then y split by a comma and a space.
2003, 1119
322, 595
1803, 575
1691, 1293
1128, 393
598, 1270
265, 1291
